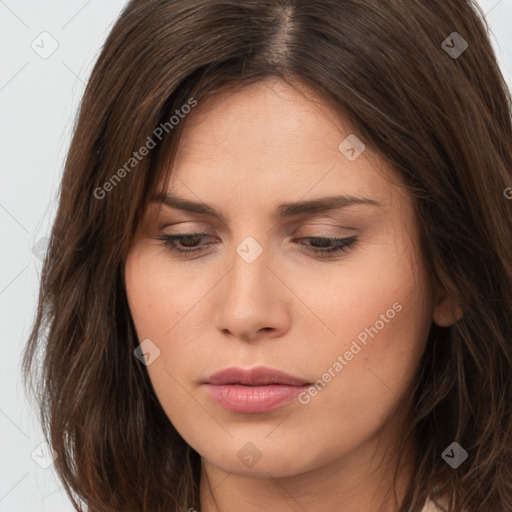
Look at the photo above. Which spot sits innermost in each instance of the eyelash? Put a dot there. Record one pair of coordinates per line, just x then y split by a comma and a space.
346, 244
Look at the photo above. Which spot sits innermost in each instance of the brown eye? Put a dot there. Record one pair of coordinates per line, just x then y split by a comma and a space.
330, 246
186, 240
189, 244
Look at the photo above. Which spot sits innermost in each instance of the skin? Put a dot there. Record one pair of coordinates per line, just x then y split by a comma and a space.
244, 153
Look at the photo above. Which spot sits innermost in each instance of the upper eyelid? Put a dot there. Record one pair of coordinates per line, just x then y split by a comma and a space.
317, 234
315, 223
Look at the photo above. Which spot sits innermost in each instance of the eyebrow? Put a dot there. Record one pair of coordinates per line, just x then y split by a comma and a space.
284, 210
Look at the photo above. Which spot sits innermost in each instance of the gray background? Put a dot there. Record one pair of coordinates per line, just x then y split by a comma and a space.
39, 97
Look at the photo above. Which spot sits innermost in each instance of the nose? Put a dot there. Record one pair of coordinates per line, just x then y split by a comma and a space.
253, 302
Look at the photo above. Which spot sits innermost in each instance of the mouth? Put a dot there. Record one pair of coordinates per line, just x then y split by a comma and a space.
259, 376
256, 390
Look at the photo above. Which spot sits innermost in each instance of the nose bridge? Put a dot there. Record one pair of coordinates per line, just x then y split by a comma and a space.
248, 301
249, 273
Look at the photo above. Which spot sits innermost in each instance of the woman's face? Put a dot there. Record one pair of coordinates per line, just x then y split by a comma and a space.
253, 293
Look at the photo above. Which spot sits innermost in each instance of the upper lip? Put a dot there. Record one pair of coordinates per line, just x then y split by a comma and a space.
260, 376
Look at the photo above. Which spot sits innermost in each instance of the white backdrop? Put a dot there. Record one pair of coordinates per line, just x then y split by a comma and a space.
47, 52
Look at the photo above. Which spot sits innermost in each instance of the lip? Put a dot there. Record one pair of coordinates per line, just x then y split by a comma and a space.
258, 376
254, 390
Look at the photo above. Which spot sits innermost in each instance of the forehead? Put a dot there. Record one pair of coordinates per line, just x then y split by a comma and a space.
264, 122
270, 143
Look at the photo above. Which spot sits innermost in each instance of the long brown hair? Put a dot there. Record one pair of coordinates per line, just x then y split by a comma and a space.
432, 103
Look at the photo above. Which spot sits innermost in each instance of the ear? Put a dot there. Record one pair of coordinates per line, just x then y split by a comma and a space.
446, 311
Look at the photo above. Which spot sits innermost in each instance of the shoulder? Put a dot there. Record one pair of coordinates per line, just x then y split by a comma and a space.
430, 507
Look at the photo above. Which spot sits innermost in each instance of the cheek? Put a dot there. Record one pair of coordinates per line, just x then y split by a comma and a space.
158, 296
164, 307
381, 314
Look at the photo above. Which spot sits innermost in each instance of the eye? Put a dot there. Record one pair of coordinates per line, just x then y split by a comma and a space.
330, 246
322, 246
188, 240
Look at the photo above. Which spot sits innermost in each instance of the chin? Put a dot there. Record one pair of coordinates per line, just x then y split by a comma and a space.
260, 457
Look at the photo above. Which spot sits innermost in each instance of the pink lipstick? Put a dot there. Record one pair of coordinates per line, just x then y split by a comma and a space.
255, 390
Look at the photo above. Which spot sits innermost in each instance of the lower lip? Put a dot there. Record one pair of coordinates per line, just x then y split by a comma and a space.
253, 399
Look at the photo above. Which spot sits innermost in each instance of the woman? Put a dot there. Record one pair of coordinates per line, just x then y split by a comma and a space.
279, 277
